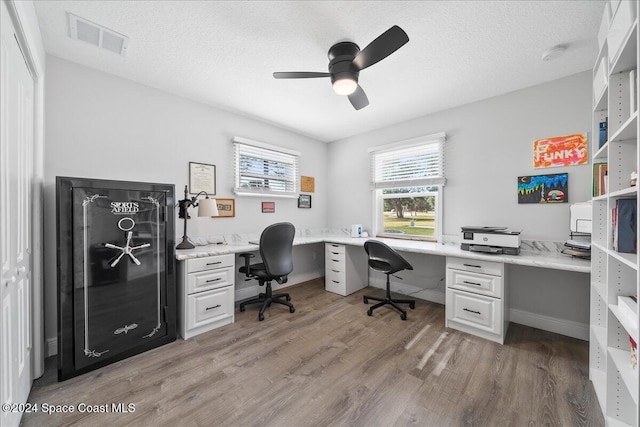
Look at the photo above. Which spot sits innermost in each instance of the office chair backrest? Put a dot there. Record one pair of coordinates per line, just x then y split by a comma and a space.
384, 258
276, 242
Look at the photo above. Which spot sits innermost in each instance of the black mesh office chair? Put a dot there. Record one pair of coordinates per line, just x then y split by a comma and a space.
388, 261
276, 244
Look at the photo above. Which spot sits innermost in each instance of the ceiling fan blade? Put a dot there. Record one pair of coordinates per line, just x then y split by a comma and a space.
386, 43
359, 99
299, 75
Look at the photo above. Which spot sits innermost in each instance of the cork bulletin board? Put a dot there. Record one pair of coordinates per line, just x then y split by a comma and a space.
307, 184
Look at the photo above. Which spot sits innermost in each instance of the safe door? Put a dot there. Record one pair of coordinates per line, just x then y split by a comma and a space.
123, 287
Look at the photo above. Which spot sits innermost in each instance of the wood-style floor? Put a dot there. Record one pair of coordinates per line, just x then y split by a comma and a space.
329, 364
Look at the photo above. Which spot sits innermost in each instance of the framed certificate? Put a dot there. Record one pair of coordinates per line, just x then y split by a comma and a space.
202, 177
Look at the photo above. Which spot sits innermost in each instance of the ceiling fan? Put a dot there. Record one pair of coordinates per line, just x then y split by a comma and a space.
346, 60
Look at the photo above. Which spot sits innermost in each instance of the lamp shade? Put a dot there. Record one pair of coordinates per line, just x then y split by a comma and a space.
207, 207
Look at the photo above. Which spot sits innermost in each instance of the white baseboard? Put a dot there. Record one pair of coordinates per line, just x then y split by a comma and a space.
52, 347
551, 324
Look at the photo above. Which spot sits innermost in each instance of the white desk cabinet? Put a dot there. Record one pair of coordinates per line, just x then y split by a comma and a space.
205, 294
476, 300
345, 268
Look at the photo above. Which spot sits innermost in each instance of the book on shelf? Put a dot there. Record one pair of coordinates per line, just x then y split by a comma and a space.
603, 134
600, 179
634, 352
623, 224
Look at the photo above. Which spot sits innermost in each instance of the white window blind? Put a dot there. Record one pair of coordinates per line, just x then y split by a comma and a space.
262, 169
419, 162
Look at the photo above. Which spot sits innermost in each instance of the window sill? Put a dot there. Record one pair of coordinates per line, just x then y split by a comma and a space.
405, 237
266, 194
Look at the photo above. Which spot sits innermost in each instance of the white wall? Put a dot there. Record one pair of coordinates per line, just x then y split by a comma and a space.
102, 126
489, 144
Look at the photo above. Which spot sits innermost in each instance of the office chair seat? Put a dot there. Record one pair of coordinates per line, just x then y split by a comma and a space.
276, 243
386, 260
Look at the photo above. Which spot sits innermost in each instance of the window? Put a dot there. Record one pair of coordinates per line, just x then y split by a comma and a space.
407, 178
262, 169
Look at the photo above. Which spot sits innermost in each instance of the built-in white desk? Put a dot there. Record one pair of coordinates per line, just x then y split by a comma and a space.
543, 259
492, 302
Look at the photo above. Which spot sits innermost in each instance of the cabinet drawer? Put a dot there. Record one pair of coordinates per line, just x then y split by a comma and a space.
334, 263
210, 262
334, 248
476, 266
476, 311
209, 307
335, 282
210, 279
483, 284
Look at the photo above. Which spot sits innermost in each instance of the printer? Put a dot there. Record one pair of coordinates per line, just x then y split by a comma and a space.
491, 240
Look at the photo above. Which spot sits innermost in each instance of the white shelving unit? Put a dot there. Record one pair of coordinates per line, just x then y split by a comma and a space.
613, 274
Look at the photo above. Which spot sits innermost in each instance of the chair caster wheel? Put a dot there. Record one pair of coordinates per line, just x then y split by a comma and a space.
292, 310
260, 317
242, 308
369, 312
366, 300
403, 316
412, 305
289, 299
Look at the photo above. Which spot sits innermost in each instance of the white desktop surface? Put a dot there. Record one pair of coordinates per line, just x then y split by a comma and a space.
543, 259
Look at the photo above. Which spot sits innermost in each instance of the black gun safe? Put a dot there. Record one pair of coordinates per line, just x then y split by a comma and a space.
116, 271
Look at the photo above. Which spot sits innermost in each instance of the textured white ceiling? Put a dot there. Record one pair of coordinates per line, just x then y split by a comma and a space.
223, 53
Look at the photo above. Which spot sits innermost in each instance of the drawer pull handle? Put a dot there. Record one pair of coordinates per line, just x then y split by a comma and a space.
216, 306
214, 263
336, 271
466, 282
335, 281
471, 311
335, 260
336, 253
471, 265
214, 280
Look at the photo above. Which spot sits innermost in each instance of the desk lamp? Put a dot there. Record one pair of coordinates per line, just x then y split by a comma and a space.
206, 207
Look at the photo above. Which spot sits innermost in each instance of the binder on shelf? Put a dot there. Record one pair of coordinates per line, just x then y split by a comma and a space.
624, 219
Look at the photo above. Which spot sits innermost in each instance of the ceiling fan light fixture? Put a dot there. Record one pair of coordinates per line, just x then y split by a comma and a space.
345, 85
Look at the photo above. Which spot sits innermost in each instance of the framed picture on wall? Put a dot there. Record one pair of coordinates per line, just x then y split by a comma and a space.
304, 201
268, 207
202, 177
226, 208
543, 188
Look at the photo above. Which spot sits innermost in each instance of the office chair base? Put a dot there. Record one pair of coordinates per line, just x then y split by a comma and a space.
267, 299
389, 301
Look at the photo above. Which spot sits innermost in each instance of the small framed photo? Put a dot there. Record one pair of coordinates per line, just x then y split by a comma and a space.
268, 207
304, 201
202, 177
226, 208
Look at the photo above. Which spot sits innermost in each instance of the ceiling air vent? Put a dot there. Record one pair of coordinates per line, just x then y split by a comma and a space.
97, 35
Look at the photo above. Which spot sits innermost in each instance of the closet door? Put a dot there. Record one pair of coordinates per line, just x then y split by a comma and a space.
16, 129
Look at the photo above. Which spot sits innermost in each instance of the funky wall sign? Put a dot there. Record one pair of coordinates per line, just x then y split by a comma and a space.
568, 150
